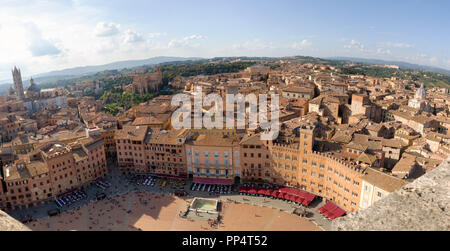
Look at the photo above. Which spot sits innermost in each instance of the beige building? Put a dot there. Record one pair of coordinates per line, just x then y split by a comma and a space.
377, 185
213, 157
52, 169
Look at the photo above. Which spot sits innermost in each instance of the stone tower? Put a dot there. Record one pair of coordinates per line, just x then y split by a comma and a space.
18, 86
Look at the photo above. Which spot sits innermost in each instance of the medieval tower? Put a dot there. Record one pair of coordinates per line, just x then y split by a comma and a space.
18, 86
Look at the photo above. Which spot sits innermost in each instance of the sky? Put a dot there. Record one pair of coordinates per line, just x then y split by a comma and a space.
44, 35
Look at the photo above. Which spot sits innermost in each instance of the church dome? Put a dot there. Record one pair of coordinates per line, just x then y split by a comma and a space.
33, 87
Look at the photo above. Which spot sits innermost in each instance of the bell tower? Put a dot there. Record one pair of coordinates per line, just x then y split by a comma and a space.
18, 86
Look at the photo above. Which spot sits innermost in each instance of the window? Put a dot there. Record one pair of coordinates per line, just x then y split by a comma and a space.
379, 194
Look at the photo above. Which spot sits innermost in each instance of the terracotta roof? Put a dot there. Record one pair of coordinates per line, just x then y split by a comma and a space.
382, 180
164, 137
216, 140
149, 120
367, 158
254, 139
132, 133
299, 89
357, 146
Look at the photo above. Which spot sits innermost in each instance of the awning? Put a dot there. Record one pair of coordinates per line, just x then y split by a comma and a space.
243, 189
210, 181
298, 200
252, 191
261, 191
307, 197
332, 211
268, 192
275, 193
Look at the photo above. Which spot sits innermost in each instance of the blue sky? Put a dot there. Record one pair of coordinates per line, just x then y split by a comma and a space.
40, 36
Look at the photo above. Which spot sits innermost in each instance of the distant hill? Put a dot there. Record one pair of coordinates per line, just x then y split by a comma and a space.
85, 70
402, 65
113, 66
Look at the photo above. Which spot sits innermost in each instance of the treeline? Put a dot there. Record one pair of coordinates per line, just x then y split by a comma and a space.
116, 100
112, 83
430, 79
376, 72
185, 70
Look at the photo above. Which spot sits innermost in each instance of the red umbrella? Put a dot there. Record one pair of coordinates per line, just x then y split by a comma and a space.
268, 192
281, 195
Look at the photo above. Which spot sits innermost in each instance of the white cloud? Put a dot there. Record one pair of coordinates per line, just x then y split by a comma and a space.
396, 45
355, 45
156, 35
106, 29
382, 51
38, 46
302, 45
132, 37
185, 42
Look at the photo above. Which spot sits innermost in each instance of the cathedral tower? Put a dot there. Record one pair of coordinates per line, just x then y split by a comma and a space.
18, 86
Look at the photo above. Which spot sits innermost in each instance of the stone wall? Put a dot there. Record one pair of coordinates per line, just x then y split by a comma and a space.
7, 223
421, 205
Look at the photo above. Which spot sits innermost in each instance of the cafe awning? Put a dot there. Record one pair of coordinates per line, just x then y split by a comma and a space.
332, 211
306, 197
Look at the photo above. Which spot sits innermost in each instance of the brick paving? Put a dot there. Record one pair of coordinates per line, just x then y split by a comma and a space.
137, 207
